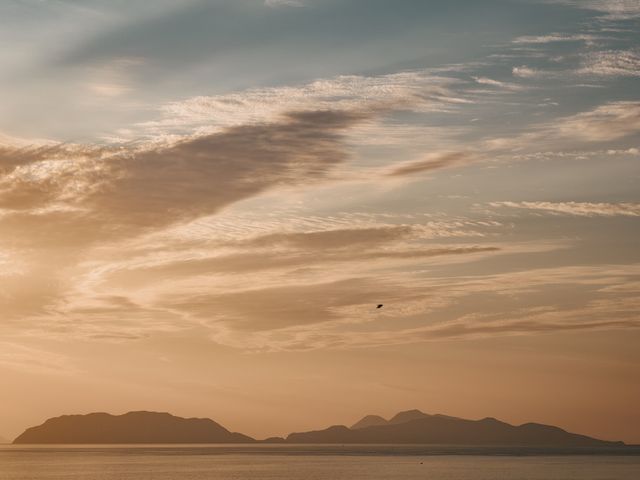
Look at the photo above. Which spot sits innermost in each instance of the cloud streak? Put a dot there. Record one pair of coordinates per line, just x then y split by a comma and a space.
428, 300
611, 63
603, 64
615, 9
432, 162
607, 122
419, 91
102, 194
583, 209
283, 3
553, 38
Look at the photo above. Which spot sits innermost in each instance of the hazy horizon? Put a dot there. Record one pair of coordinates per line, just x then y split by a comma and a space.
202, 203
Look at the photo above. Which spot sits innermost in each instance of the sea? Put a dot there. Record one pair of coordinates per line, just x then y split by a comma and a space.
314, 462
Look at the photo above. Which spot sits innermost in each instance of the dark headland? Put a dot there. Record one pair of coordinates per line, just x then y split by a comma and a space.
410, 427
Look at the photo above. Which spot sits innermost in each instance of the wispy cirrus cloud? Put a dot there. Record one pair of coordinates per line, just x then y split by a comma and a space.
555, 37
418, 91
524, 71
432, 162
533, 323
614, 9
257, 176
604, 123
93, 190
611, 63
72, 199
291, 258
499, 84
18, 356
600, 64
584, 209
604, 310
296, 279
150, 210
283, 3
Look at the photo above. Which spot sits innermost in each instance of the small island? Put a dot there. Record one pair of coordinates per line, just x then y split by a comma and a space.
132, 427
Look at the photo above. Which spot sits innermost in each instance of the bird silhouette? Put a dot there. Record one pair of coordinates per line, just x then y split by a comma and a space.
380, 305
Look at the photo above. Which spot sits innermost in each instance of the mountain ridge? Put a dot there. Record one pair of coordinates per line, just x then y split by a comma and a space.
416, 427
369, 421
408, 427
131, 427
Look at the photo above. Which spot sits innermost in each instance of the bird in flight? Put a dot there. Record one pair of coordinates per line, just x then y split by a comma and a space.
380, 305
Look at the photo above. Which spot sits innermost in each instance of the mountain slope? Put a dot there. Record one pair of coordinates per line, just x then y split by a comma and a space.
408, 416
440, 429
369, 421
132, 427
377, 421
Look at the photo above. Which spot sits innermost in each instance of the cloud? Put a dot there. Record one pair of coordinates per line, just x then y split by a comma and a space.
554, 37
230, 227
611, 63
112, 78
332, 239
419, 91
527, 72
498, 84
607, 122
101, 194
603, 64
584, 209
303, 290
469, 330
280, 307
262, 282
85, 194
59, 203
21, 357
353, 254
595, 304
432, 162
283, 3
199, 176
241, 298
615, 9
145, 236
350, 248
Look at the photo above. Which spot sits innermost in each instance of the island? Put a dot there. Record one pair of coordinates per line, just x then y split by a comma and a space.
416, 427
408, 427
132, 427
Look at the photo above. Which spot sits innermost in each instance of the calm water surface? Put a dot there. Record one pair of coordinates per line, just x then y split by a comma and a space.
310, 462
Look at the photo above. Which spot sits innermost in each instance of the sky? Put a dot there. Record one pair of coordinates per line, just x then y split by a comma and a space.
202, 203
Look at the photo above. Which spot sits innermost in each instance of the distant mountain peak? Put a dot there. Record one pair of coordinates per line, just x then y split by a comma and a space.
491, 420
408, 416
369, 421
401, 417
